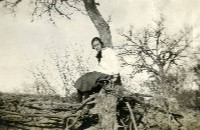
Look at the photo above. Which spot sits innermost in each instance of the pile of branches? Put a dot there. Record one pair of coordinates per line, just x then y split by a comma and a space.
133, 112
36, 111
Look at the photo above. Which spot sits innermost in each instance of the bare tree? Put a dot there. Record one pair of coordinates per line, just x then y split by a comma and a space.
59, 70
156, 51
41, 85
159, 53
66, 8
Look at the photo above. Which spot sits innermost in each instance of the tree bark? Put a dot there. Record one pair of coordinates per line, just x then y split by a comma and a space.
98, 21
107, 106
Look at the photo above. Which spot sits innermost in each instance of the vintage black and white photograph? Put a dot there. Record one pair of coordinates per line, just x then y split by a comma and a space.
99, 65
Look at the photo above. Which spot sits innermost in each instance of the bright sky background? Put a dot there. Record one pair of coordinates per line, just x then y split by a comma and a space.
23, 42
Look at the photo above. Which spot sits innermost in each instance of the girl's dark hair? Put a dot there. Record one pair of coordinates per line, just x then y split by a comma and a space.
97, 39
99, 54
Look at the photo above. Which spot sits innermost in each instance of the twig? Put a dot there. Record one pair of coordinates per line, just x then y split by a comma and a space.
132, 116
91, 102
123, 124
71, 125
86, 101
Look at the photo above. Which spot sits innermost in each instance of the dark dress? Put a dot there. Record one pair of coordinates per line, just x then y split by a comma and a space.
88, 81
88, 84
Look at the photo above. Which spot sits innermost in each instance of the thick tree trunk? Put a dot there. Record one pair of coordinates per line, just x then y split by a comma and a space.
107, 106
98, 21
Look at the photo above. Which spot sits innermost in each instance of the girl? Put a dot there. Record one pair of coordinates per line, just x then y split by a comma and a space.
107, 69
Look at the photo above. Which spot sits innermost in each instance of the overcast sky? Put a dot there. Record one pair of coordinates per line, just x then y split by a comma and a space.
23, 41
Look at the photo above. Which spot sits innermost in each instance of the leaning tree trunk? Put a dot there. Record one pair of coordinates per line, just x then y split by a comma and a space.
98, 21
108, 102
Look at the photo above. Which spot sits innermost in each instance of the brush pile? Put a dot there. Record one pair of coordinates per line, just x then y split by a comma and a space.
109, 109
